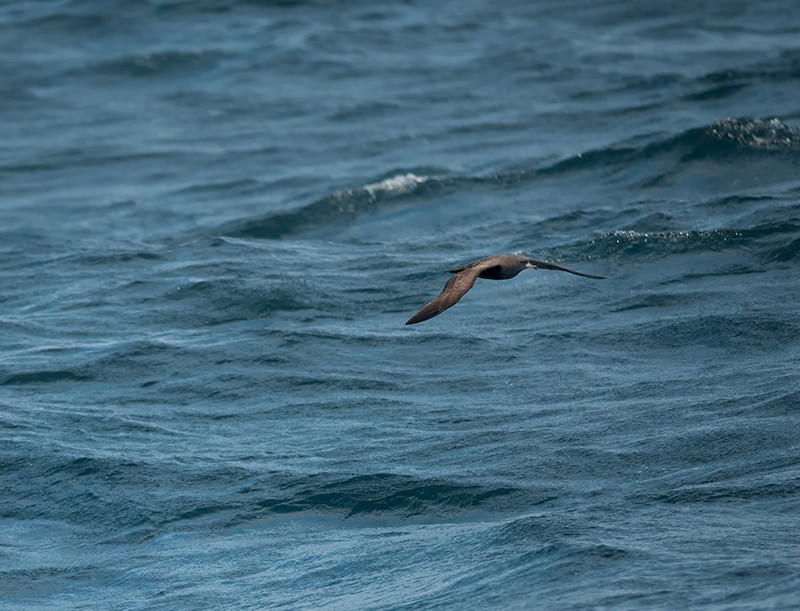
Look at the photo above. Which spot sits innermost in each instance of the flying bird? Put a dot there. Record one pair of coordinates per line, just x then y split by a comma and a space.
496, 267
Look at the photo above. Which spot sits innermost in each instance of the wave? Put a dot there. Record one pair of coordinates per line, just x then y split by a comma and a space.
377, 496
746, 153
216, 301
42, 377
380, 494
742, 135
394, 190
720, 141
234, 496
652, 244
714, 493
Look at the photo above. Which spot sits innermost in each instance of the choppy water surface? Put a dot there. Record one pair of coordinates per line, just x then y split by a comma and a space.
215, 219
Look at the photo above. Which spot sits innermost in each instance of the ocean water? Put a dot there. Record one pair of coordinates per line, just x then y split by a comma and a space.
216, 217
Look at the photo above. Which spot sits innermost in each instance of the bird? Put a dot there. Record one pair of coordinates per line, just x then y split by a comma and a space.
495, 267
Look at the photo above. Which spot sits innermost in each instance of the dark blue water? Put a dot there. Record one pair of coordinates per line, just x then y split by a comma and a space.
216, 217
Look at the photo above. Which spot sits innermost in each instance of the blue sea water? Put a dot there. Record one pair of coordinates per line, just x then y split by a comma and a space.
216, 217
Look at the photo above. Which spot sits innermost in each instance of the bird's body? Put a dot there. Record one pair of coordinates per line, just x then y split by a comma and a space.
496, 267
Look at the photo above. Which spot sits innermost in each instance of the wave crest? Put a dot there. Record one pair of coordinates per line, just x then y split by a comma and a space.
698, 159
338, 207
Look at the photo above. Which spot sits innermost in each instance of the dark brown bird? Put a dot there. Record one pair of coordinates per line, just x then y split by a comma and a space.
497, 267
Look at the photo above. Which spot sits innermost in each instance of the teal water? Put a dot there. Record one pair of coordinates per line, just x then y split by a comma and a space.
215, 219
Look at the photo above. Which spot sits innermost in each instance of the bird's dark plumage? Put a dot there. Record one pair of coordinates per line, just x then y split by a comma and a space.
497, 267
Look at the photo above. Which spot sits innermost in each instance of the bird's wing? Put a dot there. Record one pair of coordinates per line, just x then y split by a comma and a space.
548, 265
482, 264
453, 290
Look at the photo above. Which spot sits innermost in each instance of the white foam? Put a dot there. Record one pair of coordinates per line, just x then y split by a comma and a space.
398, 184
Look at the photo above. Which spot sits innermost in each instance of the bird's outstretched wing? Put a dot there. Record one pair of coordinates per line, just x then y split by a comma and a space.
453, 290
547, 265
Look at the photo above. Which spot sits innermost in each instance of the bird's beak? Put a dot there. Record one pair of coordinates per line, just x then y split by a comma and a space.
530, 265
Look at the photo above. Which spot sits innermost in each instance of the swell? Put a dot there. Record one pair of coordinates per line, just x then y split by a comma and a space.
723, 141
114, 496
42, 377
768, 241
379, 495
389, 192
732, 154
